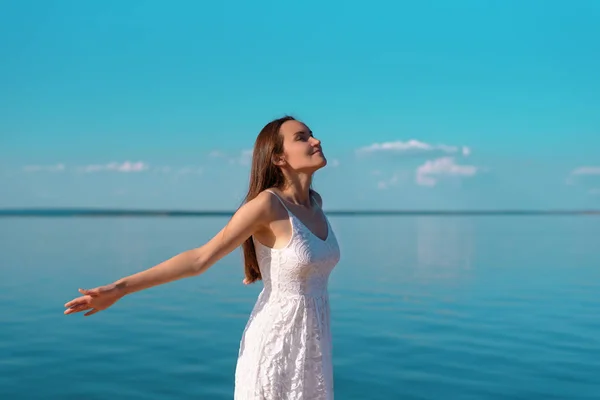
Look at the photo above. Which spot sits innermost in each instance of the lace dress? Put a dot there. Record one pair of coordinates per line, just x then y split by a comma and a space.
285, 351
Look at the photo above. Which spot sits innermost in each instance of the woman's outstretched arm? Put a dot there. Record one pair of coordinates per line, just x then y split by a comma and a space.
248, 219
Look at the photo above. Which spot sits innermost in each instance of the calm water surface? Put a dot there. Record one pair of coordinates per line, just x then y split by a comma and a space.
422, 308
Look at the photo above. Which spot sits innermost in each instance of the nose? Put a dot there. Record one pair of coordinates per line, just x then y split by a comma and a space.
316, 141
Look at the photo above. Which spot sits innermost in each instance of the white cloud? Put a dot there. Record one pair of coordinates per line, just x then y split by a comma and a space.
44, 168
179, 171
586, 171
164, 169
394, 180
581, 171
126, 166
216, 154
244, 157
429, 173
413, 147
190, 170
334, 163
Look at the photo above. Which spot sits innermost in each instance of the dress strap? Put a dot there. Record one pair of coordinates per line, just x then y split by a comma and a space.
278, 198
312, 197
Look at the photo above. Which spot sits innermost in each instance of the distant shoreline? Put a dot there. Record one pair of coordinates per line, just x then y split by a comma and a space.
91, 212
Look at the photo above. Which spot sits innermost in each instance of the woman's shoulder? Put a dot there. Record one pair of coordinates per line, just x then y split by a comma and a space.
270, 201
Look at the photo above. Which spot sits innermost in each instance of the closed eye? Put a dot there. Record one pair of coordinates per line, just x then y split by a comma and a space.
303, 135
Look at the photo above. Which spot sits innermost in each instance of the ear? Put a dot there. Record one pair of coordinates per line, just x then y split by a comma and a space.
278, 160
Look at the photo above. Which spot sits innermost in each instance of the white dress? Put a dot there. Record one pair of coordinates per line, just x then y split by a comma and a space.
285, 351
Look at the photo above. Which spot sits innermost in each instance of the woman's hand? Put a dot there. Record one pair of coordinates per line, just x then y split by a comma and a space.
95, 300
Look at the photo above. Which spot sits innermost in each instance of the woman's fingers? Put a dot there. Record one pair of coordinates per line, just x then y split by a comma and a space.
90, 292
87, 295
96, 299
78, 308
77, 302
94, 311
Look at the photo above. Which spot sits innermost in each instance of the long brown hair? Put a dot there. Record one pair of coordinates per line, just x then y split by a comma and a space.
263, 175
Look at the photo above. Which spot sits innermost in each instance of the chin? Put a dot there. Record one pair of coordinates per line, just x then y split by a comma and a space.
322, 163
321, 157
318, 162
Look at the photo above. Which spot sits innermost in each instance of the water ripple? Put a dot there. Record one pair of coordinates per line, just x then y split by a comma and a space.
449, 313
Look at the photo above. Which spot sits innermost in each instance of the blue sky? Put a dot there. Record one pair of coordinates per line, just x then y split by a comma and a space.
436, 104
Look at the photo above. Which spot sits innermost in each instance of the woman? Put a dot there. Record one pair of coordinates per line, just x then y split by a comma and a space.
288, 243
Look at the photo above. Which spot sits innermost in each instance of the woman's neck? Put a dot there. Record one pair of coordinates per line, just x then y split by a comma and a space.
297, 190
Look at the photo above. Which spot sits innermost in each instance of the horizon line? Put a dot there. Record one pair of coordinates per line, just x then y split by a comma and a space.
123, 212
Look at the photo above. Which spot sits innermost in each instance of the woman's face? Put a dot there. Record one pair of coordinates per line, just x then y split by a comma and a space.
302, 152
